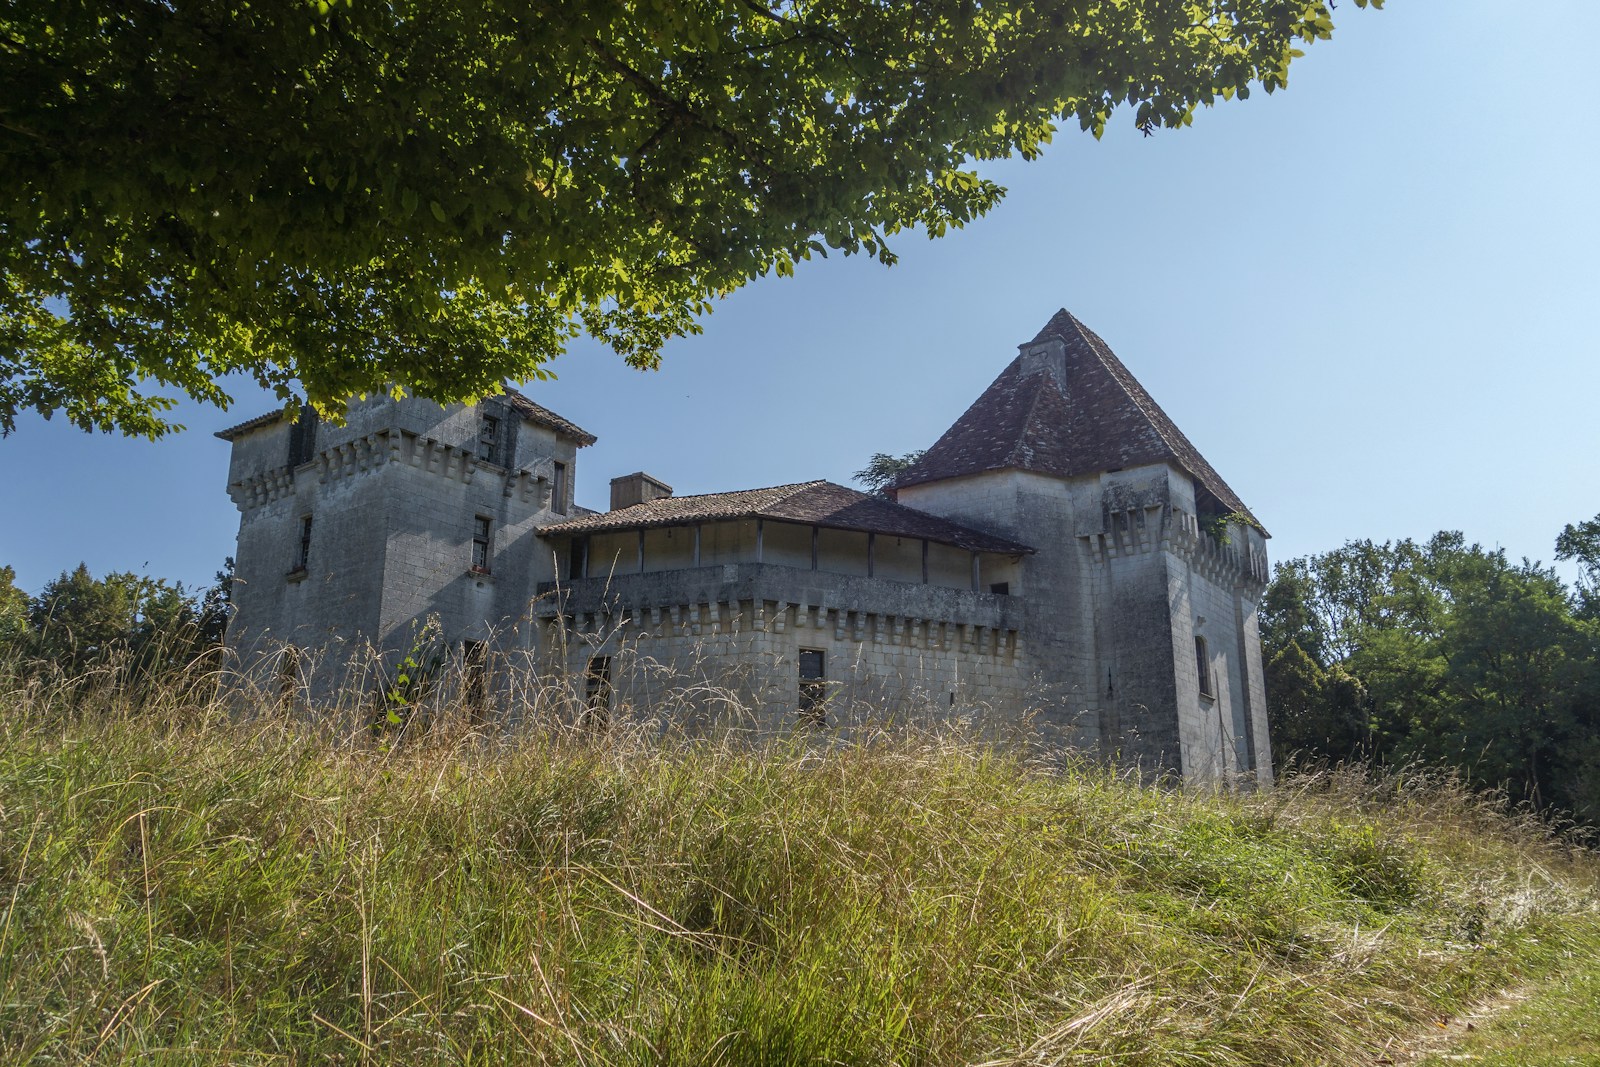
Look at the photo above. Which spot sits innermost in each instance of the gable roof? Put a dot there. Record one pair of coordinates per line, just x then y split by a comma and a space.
1100, 419
240, 429
543, 416
535, 413
818, 503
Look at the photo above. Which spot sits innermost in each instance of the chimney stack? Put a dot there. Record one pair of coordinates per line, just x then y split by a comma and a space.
637, 488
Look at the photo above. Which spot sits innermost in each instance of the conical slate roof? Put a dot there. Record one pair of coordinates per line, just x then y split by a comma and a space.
1098, 419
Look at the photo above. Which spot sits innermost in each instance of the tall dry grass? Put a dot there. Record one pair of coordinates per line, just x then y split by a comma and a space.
183, 883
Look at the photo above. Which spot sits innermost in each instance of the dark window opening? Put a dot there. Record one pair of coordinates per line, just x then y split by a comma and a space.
475, 679
578, 557
558, 489
1000, 588
302, 557
1202, 661
597, 693
488, 437
813, 704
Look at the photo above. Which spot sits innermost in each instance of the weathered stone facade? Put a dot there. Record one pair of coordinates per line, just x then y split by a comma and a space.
1061, 557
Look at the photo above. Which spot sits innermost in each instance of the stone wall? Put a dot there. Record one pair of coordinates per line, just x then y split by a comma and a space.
1112, 601
736, 662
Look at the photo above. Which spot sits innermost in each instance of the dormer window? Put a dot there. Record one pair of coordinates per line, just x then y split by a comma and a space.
558, 488
303, 437
488, 436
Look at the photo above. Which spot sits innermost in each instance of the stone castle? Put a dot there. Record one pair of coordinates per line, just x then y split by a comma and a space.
1061, 554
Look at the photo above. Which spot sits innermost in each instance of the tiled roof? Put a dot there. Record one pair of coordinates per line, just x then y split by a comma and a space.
1102, 419
817, 503
542, 415
250, 424
536, 413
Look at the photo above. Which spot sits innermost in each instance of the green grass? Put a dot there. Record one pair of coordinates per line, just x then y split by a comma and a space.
181, 887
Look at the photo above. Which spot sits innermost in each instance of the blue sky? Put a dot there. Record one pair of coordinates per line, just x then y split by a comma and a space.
1369, 300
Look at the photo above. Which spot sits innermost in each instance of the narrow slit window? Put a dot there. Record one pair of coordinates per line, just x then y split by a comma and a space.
302, 557
480, 543
813, 702
1202, 660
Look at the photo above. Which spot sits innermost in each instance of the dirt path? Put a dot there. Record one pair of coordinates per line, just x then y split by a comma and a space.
1440, 1036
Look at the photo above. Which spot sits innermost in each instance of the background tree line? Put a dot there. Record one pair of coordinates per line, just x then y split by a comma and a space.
1442, 652
79, 623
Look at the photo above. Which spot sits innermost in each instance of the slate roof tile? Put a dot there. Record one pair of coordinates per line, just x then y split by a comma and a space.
1102, 419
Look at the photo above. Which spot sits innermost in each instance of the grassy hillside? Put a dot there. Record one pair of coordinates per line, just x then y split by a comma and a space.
182, 888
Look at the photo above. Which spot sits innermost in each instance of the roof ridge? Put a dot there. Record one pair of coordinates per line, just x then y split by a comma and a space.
799, 487
1015, 455
1137, 393
793, 488
1053, 328
819, 502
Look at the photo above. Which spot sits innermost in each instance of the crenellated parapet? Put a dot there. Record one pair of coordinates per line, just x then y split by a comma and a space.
358, 455
532, 486
1136, 527
262, 488
764, 598
1229, 561
720, 618
1133, 529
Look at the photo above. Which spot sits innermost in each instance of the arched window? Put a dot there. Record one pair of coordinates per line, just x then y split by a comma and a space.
1202, 662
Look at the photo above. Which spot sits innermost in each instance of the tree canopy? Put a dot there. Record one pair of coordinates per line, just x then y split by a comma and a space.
79, 623
882, 469
1440, 651
347, 197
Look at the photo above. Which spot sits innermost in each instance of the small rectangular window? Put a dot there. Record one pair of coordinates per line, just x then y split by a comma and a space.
488, 437
813, 687
578, 558
1000, 588
597, 693
480, 543
302, 557
558, 489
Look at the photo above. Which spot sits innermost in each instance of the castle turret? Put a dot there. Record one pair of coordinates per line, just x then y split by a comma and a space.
353, 535
1143, 591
